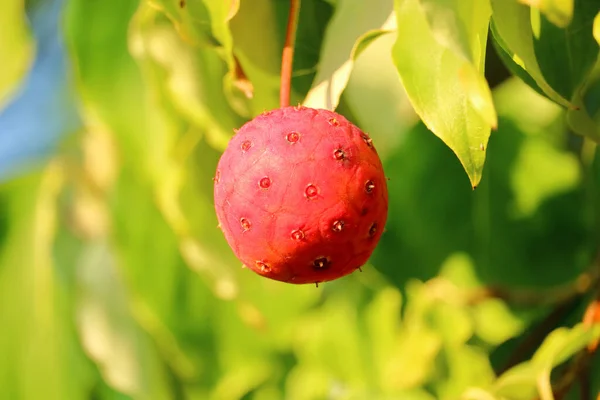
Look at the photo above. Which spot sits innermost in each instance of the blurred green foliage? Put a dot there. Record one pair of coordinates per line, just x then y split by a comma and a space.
115, 282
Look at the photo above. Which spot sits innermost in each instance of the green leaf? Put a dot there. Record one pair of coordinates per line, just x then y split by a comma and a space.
199, 22
374, 90
187, 74
495, 323
536, 159
510, 63
585, 119
512, 27
455, 25
596, 28
444, 103
467, 366
204, 26
365, 40
154, 274
383, 322
313, 21
563, 343
566, 55
41, 354
16, 48
452, 323
124, 353
525, 379
258, 22
458, 26
518, 383
102, 62
477, 394
559, 12
351, 20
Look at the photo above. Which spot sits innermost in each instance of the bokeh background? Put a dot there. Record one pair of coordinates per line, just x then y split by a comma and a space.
115, 282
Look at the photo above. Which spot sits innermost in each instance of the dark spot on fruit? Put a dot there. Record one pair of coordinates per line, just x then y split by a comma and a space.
333, 122
369, 186
481, 147
298, 235
265, 182
246, 224
321, 263
246, 144
263, 266
292, 137
182, 3
311, 191
339, 154
338, 226
217, 177
373, 229
364, 211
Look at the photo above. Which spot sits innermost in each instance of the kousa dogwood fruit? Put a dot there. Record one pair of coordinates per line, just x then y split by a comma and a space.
301, 196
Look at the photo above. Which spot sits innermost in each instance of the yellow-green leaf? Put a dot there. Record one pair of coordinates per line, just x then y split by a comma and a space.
351, 20
458, 25
596, 28
16, 47
559, 12
431, 74
512, 27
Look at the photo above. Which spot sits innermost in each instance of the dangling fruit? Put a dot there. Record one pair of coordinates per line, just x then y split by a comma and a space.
301, 196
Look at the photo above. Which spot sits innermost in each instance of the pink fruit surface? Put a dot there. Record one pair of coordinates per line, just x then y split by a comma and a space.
301, 196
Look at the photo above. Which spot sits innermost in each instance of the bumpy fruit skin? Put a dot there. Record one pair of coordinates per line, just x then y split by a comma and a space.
301, 196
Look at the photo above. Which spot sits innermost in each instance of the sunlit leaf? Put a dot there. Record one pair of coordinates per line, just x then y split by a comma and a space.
525, 379
152, 273
41, 355
585, 118
477, 394
512, 26
431, 76
559, 12
125, 355
455, 25
495, 323
467, 366
374, 90
510, 62
518, 383
257, 22
383, 322
16, 48
351, 20
563, 343
458, 26
566, 55
203, 26
363, 42
188, 74
596, 28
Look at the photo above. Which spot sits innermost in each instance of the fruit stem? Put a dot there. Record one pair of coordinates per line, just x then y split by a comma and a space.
287, 57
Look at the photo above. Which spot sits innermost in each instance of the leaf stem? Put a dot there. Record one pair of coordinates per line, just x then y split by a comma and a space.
287, 58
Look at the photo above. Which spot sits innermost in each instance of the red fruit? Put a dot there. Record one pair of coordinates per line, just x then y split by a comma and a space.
301, 196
